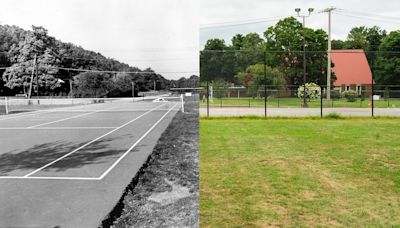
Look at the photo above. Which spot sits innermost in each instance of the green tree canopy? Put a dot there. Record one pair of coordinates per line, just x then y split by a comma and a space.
284, 45
387, 65
254, 78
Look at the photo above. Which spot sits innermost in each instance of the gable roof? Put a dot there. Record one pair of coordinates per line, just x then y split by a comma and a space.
351, 67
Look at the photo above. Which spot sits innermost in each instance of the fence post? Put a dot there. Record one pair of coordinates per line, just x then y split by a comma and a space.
265, 84
372, 97
321, 99
208, 101
182, 104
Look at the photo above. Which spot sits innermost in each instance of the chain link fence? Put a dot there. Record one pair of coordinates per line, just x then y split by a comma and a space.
238, 83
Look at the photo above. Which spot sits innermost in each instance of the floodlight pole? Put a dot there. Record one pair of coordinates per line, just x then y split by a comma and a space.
310, 10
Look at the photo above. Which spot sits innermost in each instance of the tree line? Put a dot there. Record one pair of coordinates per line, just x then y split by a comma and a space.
24, 54
280, 47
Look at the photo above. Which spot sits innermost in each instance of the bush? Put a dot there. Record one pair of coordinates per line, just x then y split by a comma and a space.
313, 91
333, 115
350, 95
335, 94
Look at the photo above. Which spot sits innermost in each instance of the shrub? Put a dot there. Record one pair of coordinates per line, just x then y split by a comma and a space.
350, 95
335, 94
313, 91
333, 115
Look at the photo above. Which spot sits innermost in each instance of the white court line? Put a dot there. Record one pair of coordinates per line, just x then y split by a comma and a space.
22, 115
68, 118
94, 140
137, 142
49, 178
54, 128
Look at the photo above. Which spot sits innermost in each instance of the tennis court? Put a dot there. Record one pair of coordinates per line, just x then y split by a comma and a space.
76, 145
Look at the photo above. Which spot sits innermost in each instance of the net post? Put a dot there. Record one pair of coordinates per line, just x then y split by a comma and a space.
182, 104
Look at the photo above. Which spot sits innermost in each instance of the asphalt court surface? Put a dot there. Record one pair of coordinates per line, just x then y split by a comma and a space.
68, 167
74, 142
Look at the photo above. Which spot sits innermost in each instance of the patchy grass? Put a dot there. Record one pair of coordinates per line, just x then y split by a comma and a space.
299, 172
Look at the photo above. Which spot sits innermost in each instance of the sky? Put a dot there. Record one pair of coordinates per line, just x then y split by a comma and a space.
161, 34
350, 13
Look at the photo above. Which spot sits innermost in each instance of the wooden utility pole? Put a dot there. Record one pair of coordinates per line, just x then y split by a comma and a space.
33, 73
328, 75
133, 88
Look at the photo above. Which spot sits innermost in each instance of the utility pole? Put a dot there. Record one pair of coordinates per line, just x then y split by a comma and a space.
133, 88
33, 73
310, 10
37, 81
265, 84
328, 75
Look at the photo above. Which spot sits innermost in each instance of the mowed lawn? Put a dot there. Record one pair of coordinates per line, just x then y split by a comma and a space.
299, 172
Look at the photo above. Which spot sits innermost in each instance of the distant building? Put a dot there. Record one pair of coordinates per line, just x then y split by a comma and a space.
352, 70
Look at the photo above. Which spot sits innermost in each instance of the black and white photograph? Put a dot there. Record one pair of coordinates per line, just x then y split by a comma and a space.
99, 113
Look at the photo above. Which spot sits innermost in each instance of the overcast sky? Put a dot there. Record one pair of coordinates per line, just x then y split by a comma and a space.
220, 11
161, 34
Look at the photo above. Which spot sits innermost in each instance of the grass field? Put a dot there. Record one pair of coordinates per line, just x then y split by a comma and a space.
299, 172
296, 102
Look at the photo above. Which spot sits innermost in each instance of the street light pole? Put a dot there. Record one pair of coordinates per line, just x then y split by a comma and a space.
310, 10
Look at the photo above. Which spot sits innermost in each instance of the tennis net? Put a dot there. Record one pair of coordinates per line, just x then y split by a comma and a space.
17, 105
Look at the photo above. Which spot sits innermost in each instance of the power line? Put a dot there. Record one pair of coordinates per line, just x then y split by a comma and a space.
366, 18
241, 22
369, 14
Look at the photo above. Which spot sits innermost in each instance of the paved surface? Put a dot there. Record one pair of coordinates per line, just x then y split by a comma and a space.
300, 112
69, 167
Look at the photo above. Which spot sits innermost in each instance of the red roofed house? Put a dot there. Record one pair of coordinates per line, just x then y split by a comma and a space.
352, 70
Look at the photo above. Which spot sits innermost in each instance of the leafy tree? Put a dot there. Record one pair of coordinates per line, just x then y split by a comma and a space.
191, 82
284, 41
387, 65
22, 45
89, 84
338, 45
357, 38
254, 79
251, 52
237, 42
216, 61
22, 58
220, 88
365, 38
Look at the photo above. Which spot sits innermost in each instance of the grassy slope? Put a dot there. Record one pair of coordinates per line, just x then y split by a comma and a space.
300, 172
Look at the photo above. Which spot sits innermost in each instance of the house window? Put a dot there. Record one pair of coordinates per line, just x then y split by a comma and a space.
347, 88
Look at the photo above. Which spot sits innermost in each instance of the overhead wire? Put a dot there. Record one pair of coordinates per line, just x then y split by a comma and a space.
366, 16
241, 22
